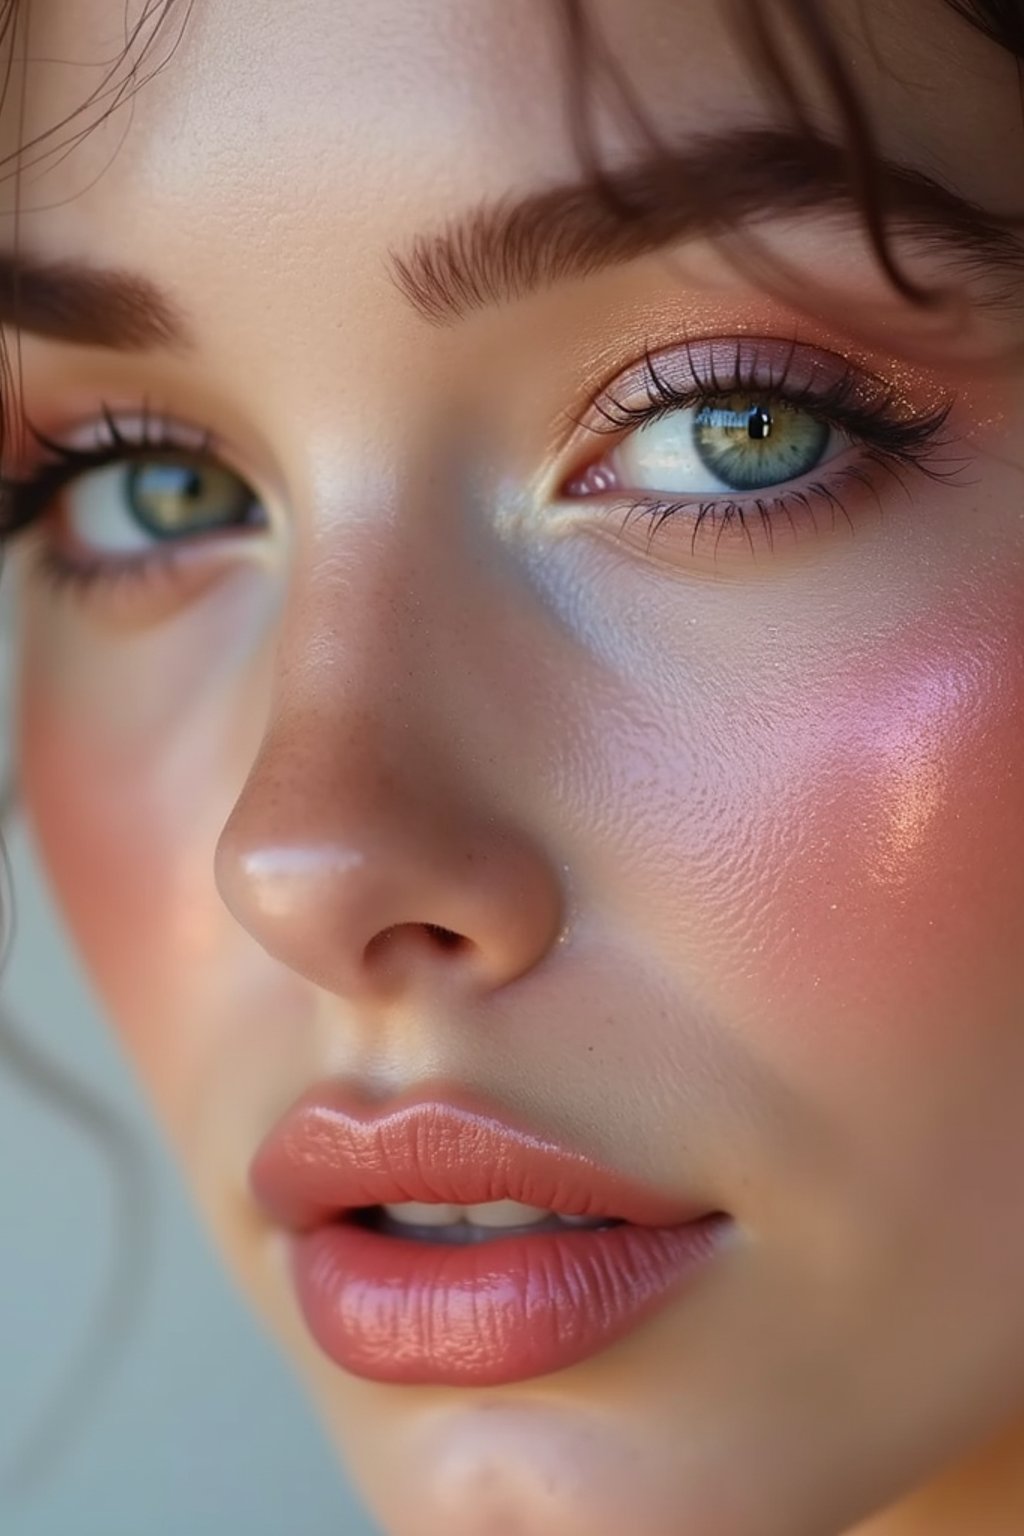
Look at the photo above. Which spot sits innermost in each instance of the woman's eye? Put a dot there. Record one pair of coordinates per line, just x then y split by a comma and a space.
731, 439
735, 443
125, 508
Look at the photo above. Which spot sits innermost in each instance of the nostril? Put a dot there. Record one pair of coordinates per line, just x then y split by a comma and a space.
410, 933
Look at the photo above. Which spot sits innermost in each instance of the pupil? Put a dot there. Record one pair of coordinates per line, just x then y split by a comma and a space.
759, 423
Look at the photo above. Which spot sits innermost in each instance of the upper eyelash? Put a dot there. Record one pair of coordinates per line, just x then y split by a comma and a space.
879, 421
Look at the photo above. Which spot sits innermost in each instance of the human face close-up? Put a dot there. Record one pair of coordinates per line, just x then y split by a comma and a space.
518, 704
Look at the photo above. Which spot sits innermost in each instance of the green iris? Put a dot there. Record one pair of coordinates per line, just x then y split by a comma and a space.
183, 494
749, 445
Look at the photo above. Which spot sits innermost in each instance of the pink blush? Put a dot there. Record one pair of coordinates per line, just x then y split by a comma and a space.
900, 894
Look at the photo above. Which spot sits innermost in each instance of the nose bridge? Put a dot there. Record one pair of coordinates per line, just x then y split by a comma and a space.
365, 849
366, 695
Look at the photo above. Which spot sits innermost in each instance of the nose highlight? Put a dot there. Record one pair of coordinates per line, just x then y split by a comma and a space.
422, 901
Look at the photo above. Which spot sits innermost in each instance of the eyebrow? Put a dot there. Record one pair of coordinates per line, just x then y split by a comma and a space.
517, 246
86, 306
711, 186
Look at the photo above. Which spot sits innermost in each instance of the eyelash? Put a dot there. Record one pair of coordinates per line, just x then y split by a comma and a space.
893, 442
24, 501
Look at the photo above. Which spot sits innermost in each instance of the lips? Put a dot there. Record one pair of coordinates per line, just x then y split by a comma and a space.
406, 1310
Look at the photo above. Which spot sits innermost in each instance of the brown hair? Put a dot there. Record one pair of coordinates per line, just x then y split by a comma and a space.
792, 48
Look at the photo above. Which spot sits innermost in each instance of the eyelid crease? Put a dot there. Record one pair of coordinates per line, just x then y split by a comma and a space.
699, 367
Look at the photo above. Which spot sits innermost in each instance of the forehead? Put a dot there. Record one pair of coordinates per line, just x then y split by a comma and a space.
355, 122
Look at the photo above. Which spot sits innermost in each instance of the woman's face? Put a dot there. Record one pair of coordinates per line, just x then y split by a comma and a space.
386, 762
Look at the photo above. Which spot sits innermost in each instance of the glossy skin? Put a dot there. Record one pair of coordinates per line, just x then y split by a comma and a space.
737, 843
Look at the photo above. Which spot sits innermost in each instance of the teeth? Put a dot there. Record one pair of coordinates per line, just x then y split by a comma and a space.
492, 1213
504, 1213
416, 1213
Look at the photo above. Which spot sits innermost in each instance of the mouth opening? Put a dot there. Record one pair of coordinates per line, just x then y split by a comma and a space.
376, 1218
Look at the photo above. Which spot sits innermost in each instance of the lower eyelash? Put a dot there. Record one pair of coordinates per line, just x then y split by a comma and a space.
80, 577
765, 512
726, 512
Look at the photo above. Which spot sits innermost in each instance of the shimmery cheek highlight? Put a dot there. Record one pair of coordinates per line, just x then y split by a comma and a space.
894, 917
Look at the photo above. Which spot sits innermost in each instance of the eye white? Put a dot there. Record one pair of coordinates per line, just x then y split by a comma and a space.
662, 456
98, 515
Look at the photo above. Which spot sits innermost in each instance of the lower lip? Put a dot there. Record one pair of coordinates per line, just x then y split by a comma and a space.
400, 1310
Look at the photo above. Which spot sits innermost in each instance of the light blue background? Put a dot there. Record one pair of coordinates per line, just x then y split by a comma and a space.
200, 1431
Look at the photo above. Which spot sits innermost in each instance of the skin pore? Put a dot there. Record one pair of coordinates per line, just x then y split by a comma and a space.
731, 829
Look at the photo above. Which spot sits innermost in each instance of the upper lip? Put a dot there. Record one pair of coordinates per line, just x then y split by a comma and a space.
330, 1155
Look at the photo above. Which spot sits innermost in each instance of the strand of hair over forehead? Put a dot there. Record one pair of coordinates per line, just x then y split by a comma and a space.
1001, 20
793, 51
148, 44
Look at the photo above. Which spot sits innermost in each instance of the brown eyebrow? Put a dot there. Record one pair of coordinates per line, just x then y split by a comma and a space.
711, 186
510, 249
87, 307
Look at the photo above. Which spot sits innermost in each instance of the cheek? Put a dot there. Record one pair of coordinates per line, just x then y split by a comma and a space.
893, 874
126, 867
127, 786
862, 919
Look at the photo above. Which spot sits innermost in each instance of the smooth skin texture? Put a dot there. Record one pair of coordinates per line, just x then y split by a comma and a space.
735, 838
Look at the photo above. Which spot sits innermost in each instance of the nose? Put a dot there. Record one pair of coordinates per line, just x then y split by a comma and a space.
385, 889
371, 855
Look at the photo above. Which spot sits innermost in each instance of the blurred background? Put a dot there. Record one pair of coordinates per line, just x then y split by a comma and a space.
199, 1428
